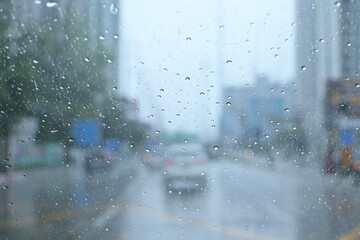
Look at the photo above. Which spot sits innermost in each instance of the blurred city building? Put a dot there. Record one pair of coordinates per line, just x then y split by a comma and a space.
259, 112
320, 56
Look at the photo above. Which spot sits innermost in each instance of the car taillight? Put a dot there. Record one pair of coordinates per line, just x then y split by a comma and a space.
167, 161
203, 161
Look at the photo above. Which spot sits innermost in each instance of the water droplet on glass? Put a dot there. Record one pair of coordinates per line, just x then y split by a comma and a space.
35, 61
157, 131
187, 79
221, 27
87, 59
337, 4
51, 4
348, 44
321, 40
212, 126
101, 37
185, 140
5, 187
71, 140
357, 85
202, 93
37, 2
216, 148
267, 135
114, 88
161, 90
229, 62
114, 9
228, 103
303, 68
188, 39
54, 131
287, 110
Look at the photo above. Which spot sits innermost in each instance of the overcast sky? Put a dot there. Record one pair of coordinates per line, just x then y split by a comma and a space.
177, 55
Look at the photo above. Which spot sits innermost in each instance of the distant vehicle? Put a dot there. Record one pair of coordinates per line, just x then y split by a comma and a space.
184, 167
98, 160
154, 160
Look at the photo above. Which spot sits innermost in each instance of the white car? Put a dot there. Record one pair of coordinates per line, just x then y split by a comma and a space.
185, 166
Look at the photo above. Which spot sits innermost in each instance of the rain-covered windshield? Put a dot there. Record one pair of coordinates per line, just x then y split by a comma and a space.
179, 119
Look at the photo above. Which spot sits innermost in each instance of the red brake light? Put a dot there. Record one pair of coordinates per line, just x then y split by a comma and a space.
168, 161
203, 161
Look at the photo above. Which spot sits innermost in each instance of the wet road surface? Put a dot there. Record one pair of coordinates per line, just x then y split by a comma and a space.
241, 201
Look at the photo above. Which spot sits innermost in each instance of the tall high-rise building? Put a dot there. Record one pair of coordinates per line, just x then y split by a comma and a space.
318, 59
349, 37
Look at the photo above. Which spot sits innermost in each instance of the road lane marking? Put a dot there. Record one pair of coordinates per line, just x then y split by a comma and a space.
214, 227
51, 217
352, 235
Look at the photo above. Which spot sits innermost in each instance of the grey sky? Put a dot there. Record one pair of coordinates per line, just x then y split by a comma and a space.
165, 41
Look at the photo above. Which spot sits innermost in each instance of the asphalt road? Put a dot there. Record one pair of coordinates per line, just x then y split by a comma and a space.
241, 201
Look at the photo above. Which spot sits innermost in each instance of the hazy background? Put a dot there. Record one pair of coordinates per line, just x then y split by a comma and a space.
196, 39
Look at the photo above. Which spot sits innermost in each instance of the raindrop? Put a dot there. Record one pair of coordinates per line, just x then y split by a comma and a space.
161, 90
114, 9
348, 44
202, 93
157, 131
101, 37
54, 131
321, 40
35, 61
337, 4
357, 85
212, 126
87, 59
229, 62
287, 110
276, 55
188, 39
267, 135
216, 148
165, 69
187, 79
71, 140
114, 88
51, 4
37, 2
303, 68
228, 103
221, 27
5, 187
185, 140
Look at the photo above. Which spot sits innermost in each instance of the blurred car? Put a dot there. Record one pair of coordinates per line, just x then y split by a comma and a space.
154, 160
98, 160
184, 167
